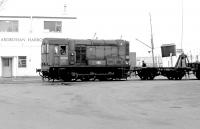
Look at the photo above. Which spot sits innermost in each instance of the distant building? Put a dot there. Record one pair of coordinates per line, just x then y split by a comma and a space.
149, 61
132, 59
20, 42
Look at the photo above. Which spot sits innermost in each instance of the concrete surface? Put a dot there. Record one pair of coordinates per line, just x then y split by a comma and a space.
30, 103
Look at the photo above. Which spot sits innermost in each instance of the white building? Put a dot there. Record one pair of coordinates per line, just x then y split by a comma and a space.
20, 42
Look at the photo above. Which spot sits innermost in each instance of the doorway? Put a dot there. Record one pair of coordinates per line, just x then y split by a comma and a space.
6, 67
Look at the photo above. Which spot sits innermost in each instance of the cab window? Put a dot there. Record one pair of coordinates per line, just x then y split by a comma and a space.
56, 50
45, 48
62, 50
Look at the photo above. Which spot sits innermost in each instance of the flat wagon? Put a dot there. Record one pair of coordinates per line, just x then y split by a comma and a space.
181, 69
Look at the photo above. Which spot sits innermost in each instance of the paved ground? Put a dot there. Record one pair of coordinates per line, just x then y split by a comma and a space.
30, 103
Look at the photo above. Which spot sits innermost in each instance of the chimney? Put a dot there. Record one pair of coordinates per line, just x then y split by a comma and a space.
65, 8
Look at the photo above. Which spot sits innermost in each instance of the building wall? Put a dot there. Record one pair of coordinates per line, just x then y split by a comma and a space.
27, 42
22, 48
132, 60
149, 62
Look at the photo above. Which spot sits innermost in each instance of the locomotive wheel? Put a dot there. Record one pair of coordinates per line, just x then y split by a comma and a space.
84, 78
74, 76
151, 77
67, 79
109, 78
102, 78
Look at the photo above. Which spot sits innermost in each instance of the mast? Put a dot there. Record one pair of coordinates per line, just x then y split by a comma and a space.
182, 25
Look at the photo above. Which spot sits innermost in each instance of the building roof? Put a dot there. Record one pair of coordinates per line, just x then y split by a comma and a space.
171, 44
38, 17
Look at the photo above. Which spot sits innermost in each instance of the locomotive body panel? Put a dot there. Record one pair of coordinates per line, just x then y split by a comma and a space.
63, 52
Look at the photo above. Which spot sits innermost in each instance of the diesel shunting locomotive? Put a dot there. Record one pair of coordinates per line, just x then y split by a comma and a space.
72, 59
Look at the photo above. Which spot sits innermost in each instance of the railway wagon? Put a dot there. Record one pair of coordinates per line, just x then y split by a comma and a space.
76, 59
181, 69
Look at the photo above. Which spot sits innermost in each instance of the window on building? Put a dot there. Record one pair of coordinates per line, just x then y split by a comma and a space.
53, 26
22, 61
9, 26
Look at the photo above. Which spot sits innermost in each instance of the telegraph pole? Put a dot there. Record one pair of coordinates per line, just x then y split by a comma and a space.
152, 44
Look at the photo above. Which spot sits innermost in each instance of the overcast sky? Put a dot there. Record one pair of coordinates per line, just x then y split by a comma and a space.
111, 19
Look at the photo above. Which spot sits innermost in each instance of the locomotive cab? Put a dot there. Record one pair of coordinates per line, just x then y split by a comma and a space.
55, 53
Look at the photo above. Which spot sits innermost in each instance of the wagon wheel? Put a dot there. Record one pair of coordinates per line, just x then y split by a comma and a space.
197, 75
169, 77
143, 78
180, 77
176, 78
